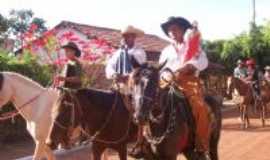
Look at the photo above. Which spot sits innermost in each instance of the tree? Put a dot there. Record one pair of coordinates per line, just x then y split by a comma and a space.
3, 27
22, 24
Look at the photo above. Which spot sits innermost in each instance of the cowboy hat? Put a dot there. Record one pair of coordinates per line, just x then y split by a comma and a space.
267, 68
132, 30
179, 21
73, 46
240, 61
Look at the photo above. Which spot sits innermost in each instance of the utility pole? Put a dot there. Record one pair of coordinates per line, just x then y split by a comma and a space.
254, 12
254, 33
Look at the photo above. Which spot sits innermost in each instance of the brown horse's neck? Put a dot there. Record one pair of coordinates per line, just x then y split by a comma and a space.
242, 87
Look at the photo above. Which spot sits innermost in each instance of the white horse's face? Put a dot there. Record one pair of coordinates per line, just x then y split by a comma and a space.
5, 89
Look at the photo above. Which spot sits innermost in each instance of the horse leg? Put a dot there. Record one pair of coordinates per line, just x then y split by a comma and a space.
190, 154
49, 153
38, 151
122, 151
242, 115
247, 123
97, 152
213, 148
263, 114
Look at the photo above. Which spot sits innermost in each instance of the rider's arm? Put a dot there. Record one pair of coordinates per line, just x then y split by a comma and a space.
110, 69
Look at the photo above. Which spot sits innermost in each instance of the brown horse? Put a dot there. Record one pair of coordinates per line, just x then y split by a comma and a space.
248, 99
102, 115
167, 118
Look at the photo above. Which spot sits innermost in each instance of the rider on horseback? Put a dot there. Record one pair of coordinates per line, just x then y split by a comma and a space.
71, 74
120, 66
186, 59
253, 76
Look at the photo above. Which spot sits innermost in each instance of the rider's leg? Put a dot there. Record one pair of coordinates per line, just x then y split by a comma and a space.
191, 87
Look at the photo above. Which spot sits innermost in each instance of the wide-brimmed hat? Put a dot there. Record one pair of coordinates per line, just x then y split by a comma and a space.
132, 30
267, 68
73, 46
180, 21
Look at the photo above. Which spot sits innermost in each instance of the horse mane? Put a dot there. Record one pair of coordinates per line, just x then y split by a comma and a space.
23, 79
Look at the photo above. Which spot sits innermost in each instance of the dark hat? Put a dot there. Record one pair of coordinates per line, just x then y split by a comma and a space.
180, 21
73, 46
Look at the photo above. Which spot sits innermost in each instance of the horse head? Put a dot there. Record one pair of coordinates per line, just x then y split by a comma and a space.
144, 85
66, 116
5, 89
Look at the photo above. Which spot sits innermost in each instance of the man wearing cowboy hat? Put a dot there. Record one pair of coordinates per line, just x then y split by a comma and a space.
71, 74
240, 71
267, 73
185, 58
119, 65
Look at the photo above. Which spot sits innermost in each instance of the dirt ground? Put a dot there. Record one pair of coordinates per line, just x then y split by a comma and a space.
235, 143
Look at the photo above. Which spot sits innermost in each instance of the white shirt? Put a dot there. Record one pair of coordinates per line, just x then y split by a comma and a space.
175, 60
137, 52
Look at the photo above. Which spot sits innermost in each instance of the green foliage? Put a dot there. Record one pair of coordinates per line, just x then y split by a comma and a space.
254, 44
28, 66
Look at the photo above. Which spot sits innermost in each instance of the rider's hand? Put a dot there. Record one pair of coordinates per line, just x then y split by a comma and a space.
188, 69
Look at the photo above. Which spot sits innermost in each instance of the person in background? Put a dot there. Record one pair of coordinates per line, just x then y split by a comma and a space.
240, 71
267, 73
253, 76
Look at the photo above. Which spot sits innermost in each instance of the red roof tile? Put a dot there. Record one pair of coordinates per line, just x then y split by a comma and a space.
150, 43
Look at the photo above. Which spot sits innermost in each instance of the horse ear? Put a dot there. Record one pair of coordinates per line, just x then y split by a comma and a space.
134, 62
160, 66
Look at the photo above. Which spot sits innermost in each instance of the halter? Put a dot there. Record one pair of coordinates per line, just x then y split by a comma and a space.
15, 113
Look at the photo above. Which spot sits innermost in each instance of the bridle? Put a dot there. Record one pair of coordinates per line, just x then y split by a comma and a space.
73, 112
156, 119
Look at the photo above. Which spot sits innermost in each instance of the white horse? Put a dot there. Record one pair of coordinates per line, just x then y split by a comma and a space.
34, 103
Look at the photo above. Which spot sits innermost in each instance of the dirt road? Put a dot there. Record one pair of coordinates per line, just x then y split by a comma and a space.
235, 144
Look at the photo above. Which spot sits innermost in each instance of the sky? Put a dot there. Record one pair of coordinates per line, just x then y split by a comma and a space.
218, 19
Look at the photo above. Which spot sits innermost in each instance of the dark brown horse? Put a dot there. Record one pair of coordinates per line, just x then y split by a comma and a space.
167, 118
248, 100
102, 115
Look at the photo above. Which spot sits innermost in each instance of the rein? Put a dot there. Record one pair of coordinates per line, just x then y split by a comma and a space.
170, 126
15, 113
99, 131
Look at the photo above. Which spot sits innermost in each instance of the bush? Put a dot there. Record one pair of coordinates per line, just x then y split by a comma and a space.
28, 66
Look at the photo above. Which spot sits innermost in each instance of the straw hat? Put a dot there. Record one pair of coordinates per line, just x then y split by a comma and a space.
132, 30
